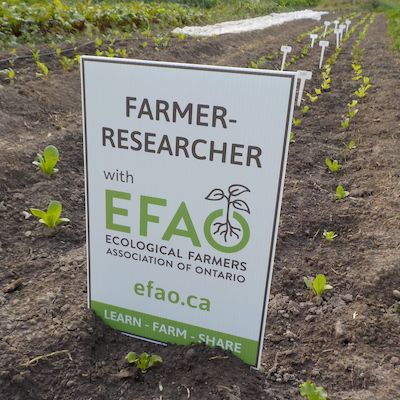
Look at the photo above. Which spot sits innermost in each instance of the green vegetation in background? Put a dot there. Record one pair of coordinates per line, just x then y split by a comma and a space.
392, 10
35, 21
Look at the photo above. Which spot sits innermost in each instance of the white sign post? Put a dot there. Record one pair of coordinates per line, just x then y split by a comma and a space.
348, 22
302, 76
336, 23
285, 50
337, 33
326, 23
313, 36
323, 44
184, 176
342, 28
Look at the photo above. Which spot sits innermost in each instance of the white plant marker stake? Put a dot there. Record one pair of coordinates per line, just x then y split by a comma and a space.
342, 27
313, 36
326, 23
323, 44
337, 33
347, 22
302, 76
285, 50
336, 22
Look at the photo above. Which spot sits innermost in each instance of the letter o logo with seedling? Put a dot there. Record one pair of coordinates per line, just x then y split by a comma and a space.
226, 229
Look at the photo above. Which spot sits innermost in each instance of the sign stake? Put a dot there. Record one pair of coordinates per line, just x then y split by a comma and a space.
337, 33
302, 76
323, 44
342, 27
336, 22
285, 50
313, 36
348, 22
326, 23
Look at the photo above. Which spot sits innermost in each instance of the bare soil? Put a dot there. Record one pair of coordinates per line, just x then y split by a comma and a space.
348, 342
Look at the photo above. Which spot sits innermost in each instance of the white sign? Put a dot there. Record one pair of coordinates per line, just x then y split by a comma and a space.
336, 22
302, 76
323, 44
184, 176
342, 28
337, 32
326, 23
285, 50
313, 36
348, 22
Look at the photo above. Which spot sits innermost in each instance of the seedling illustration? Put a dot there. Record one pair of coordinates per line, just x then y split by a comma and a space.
226, 228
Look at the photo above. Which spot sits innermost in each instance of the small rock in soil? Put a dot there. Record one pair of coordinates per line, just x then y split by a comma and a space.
13, 286
339, 329
348, 298
396, 294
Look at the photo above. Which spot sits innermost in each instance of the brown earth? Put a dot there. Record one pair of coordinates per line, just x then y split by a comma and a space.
348, 342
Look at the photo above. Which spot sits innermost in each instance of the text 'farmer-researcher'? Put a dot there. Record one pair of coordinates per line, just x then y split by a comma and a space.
180, 146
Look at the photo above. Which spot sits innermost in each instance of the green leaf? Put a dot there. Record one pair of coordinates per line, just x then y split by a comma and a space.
312, 392
131, 357
51, 157
319, 284
341, 193
308, 282
154, 360
38, 213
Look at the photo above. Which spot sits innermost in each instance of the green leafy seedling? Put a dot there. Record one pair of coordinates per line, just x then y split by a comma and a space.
333, 165
292, 138
47, 161
345, 123
143, 361
352, 104
311, 391
329, 235
317, 91
351, 145
341, 193
42, 67
51, 217
353, 112
317, 285
305, 109
296, 121
312, 98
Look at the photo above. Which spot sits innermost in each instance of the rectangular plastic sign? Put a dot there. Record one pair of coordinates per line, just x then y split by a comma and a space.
184, 174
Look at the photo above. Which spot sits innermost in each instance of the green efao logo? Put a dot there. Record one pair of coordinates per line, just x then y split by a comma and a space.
226, 230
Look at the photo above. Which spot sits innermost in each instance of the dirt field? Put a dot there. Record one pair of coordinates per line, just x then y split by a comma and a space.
348, 342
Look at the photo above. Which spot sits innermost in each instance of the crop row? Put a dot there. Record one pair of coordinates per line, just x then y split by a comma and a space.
23, 22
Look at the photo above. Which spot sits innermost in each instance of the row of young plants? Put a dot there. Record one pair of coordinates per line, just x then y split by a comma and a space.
305, 50
104, 45
313, 96
27, 22
319, 284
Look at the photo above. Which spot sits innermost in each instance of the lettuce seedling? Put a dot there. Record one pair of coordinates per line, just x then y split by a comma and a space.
341, 193
47, 161
143, 361
317, 91
333, 165
51, 217
305, 109
353, 113
329, 235
67, 63
311, 391
42, 68
351, 145
345, 123
312, 98
292, 138
352, 104
296, 121
317, 285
